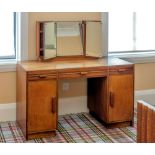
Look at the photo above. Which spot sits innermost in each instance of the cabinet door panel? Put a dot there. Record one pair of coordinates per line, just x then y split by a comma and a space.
121, 97
42, 105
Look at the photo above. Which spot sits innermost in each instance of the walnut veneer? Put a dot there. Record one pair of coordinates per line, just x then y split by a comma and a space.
110, 92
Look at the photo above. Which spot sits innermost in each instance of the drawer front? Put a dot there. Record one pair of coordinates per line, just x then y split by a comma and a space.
83, 74
42, 75
97, 73
121, 70
68, 75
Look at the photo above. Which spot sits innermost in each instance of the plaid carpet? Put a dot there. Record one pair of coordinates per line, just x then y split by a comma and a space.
73, 128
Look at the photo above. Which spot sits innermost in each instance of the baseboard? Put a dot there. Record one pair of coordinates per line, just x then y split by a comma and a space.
144, 92
72, 105
66, 106
7, 112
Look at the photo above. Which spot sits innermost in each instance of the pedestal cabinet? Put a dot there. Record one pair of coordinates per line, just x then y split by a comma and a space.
121, 94
42, 106
111, 98
37, 105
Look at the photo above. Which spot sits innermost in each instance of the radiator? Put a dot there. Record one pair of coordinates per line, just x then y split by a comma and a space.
145, 122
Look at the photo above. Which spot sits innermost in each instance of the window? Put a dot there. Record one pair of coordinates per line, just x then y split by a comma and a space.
131, 32
8, 35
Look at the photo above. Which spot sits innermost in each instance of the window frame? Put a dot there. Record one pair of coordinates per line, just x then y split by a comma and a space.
21, 42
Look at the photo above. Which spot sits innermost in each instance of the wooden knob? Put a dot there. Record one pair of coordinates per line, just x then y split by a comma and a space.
83, 73
122, 70
42, 76
54, 104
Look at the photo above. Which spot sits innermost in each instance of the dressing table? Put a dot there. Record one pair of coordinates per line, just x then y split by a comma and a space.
110, 89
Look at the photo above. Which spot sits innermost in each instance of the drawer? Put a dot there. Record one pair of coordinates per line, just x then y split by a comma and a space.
83, 74
41, 76
97, 73
121, 70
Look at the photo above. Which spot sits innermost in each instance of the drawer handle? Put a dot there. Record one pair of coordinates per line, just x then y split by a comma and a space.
112, 99
83, 73
122, 70
54, 103
42, 76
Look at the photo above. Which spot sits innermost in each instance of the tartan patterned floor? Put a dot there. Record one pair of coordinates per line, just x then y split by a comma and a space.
73, 128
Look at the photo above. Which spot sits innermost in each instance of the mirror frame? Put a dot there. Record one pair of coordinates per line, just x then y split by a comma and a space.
39, 49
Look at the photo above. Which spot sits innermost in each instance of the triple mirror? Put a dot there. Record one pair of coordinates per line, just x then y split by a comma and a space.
62, 39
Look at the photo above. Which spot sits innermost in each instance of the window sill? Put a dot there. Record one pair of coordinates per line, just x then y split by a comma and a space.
8, 65
136, 58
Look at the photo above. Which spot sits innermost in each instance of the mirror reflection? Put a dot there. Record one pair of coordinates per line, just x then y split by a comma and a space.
94, 39
49, 40
69, 41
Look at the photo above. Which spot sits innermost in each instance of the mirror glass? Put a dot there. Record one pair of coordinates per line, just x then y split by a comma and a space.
94, 39
69, 39
49, 40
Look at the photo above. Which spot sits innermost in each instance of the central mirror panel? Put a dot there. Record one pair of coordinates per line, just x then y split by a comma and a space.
69, 39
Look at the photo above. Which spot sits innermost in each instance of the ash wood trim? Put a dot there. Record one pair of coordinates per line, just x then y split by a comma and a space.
21, 99
84, 37
47, 72
41, 76
56, 99
97, 73
126, 69
83, 73
38, 75
97, 89
109, 63
111, 125
38, 40
68, 58
41, 135
133, 90
69, 75
117, 124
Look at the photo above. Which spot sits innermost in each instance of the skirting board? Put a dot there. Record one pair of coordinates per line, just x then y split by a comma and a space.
68, 105
7, 112
72, 105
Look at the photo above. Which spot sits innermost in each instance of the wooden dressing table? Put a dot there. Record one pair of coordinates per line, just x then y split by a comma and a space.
110, 92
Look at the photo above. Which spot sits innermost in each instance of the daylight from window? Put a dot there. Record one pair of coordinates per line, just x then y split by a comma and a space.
7, 34
145, 31
131, 32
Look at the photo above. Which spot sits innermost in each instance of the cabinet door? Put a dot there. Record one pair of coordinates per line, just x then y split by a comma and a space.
42, 105
121, 97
